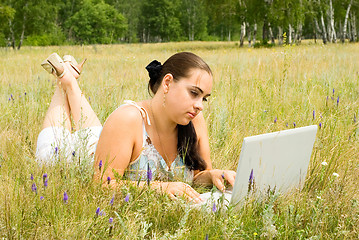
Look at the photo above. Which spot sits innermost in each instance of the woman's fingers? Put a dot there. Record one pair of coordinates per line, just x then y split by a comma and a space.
192, 194
230, 177
175, 190
219, 183
172, 196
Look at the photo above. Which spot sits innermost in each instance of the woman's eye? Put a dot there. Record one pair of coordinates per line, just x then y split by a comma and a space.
194, 93
205, 99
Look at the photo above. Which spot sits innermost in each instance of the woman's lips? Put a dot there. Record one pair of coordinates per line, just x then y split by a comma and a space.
191, 115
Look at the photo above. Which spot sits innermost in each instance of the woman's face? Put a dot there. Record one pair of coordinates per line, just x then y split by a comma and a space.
184, 98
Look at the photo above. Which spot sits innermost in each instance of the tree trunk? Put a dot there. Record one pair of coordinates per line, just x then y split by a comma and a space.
280, 35
350, 31
290, 34
324, 31
353, 24
334, 35
254, 34
249, 36
265, 31
22, 34
329, 28
271, 34
346, 22
299, 33
243, 34
12, 34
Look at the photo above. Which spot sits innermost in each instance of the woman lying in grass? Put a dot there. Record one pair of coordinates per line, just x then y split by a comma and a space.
163, 138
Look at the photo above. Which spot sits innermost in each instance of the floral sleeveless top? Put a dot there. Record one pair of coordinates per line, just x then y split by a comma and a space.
151, 164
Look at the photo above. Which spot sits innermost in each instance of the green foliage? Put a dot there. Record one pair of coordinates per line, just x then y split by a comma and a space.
6, 13
96, 23
55, 38
114, 21
160, 20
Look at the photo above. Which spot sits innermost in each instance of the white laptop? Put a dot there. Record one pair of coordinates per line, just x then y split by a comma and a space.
276, 161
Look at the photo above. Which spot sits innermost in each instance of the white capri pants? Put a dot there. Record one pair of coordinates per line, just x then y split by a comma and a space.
58, 143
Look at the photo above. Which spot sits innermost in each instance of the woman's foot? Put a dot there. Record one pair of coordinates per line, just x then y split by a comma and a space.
73, 65
53, 64
69, 78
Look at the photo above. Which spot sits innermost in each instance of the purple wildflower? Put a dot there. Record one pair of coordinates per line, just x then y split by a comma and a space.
100, 165
294, 125
313, 114
275, 120
41, 198
214, 208
12, 97
127, 198
66, 197
355, 118
25, 93
251, 177
74, 153
149, 174
34, 188
108, 180
286, 124
338, 101
320, 125
32, 177
222, 175
97, 211
44, 176
112, 200
56, 150
110, 220
333, 91
9, 99
46, 182
206, 236
102, 213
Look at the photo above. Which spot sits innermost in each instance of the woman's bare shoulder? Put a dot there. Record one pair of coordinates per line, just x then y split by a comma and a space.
125, 115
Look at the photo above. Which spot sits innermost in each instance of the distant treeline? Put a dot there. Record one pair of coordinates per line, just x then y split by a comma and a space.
262, 22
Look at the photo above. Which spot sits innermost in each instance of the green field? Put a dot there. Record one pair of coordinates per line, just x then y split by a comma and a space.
252, 88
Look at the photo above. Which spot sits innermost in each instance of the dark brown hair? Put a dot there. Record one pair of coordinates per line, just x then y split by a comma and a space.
180, 66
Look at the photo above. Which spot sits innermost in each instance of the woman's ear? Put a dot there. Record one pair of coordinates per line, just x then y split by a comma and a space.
167, 80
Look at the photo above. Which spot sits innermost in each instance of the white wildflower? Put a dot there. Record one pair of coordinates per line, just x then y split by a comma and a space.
324, 163
335, 174
319, 197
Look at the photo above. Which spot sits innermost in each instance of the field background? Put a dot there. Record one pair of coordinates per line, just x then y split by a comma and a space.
255, 91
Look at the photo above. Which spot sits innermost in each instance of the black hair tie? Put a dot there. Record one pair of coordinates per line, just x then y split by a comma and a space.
154, 70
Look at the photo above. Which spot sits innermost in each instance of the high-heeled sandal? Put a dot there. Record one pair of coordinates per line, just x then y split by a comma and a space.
54, 65
73, 63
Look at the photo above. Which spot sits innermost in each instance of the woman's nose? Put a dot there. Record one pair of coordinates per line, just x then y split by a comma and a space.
199, 104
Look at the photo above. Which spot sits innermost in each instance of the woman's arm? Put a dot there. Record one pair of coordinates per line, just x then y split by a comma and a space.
118, 145
209, 176
117, 142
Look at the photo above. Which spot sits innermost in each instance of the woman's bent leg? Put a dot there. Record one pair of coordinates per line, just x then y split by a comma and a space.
58, 114
81, 111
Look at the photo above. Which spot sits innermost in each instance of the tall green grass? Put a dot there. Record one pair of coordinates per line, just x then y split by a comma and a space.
255, 91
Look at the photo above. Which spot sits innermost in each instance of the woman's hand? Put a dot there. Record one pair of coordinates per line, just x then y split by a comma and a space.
219, 176
216, 177
177, 189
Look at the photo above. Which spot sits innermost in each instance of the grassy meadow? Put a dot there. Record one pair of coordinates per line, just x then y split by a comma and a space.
255, 91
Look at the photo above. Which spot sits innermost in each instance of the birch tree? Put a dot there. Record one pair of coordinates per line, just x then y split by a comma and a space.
193, 19
346, 21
